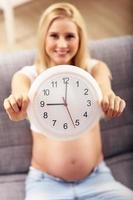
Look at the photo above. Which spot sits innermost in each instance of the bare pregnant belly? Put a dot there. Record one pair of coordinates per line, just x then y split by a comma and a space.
70, 160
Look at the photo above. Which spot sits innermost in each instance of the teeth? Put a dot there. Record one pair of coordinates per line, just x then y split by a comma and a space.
61, 53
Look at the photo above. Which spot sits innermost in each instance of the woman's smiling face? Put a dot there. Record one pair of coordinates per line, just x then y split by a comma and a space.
62, 41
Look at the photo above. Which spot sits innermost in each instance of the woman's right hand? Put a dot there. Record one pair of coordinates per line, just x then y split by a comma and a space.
16, 107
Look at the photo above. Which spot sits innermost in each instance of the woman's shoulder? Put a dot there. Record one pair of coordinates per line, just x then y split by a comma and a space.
92, 62
29, 71
30, 68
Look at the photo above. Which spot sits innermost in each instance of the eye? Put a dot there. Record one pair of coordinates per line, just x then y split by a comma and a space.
70, 36
54, 35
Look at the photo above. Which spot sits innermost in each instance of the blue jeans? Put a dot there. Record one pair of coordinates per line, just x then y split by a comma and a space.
99, 185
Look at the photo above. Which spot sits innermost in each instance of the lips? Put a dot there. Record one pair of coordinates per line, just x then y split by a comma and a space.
61, 53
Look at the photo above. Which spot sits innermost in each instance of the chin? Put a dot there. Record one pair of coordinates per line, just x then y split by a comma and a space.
63, 63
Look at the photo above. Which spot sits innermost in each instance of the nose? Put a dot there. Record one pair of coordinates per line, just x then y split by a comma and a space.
62, 43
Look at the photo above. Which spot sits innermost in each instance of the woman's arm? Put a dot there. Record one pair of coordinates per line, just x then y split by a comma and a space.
112, 104
16, 104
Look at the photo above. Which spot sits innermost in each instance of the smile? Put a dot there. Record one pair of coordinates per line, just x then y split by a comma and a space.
61, 53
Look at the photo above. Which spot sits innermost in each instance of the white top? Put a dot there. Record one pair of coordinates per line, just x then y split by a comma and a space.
30, 71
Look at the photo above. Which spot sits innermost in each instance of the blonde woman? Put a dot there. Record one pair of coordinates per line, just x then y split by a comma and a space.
66, 169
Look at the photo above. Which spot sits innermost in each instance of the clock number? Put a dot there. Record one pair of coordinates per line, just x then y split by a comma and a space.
54, 121
54, 83
86, 91
77, 122
45, 115
85, 114
65, 126
66, 80
46, 92
42, 103
88, 102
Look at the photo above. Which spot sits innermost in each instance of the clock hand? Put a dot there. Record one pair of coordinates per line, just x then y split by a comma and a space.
54, 104
65, 104
66, 93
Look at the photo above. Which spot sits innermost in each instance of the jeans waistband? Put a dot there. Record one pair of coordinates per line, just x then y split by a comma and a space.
100, 167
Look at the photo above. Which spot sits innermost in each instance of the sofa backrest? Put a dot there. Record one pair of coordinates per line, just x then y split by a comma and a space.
15, 137
117, 133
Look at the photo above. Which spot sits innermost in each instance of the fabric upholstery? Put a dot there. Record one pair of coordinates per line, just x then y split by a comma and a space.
117, 134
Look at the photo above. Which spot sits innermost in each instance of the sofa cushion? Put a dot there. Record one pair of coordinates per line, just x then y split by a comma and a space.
12, 187
122, 167
15, 145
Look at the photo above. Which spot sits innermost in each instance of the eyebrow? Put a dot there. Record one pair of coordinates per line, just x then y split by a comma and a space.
54, 32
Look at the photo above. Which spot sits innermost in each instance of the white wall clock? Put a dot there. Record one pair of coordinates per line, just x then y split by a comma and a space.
64, 102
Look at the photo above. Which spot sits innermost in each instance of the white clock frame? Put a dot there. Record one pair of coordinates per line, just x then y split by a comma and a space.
72, 133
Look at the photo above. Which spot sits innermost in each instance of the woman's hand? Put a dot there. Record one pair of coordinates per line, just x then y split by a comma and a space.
112, 105
16, 107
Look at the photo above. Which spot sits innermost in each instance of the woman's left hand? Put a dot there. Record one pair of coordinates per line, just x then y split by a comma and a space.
112, 105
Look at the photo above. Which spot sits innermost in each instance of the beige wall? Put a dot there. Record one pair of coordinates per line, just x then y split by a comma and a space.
104, 18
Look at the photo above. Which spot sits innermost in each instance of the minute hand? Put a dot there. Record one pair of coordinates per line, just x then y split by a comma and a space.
66, 93
65, 104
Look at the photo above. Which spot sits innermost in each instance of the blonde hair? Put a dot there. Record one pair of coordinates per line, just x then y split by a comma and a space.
53, 12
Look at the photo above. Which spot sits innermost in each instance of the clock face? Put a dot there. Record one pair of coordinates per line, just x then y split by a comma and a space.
64, 102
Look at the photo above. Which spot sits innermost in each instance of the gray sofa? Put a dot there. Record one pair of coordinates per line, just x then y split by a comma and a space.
117, 134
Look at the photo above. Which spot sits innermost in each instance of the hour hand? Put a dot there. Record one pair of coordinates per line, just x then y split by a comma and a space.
55, 104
